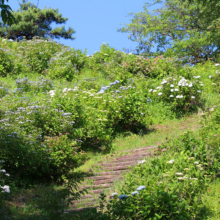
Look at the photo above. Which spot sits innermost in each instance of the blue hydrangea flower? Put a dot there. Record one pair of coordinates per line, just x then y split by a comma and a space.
149, 100
122, 196
140, 188
134, 193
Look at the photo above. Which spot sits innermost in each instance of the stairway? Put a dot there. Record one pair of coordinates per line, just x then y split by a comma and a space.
112, 174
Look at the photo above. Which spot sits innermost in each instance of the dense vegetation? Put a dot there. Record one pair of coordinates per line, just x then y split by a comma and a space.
59, 105
60, 108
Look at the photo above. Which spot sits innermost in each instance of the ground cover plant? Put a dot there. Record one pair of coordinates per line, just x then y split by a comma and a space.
59, 108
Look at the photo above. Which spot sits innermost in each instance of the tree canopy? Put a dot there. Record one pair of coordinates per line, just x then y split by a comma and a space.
6, 15
32, 21
179, 28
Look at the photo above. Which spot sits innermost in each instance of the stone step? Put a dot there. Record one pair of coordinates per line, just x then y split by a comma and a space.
115, 168
110, 172
84, 200
107, 180
143, 148
96, 185
131, 163
97, 191
100, 177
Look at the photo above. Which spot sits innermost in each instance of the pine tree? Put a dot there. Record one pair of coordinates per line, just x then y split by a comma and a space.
32, 21
6, 14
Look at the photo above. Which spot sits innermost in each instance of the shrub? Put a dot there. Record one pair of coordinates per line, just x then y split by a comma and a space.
150, 67
6, 63
66, 64
183, 95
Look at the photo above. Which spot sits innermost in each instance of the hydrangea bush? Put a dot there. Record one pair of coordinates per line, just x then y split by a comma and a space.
182, 94
149, 67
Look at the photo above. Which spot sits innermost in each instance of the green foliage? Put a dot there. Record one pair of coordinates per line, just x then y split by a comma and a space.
149, 67
181, 94
6, 64
7, 16
66, 64
64, 155
178, 29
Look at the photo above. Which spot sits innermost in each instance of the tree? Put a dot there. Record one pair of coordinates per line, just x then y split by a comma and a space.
178, 29
6, 15
33, 21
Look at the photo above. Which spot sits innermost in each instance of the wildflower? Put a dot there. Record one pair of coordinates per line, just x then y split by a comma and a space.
172, 90
150, 90
171, 161
164, 81
180, 178
213, 84
179, 174
193, 178
211, 109
202, 114
6, 189
190, 85
122, 196
171, 96
198, 91
191, 158
171, 85
155, 90
134, 193
160, 93
158, 87
196, 162
114, 194
7, 174
142, 113
201, 84
192, 97
217, 64
149, 100
166, 175
176, 90
187, 169
140, 188
164, 150
142, 161
3, 171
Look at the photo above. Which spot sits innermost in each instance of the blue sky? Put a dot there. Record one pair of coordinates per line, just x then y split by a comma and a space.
95, 21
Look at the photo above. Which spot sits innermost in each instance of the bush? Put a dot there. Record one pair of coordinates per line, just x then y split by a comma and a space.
149, 67
66, 64
183, 95
6, 63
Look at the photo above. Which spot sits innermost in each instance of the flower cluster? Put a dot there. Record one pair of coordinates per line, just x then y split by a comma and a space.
122, 196
181, 93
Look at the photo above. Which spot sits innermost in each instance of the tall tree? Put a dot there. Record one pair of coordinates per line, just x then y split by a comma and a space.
178, 29
33, 21
6, 15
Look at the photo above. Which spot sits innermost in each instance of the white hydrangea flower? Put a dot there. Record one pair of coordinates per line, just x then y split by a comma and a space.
171, 96
198, 91
217, 64
171, 85
150, 90
192, 97
172, 90
176, 90
160, 93
210, 76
